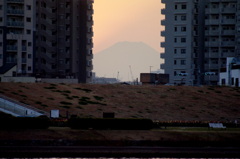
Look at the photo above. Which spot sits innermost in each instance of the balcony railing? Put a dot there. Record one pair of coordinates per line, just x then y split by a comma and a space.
15, 1
15, 11
11, 60
24, 60
12, 48
15, 24
24, 48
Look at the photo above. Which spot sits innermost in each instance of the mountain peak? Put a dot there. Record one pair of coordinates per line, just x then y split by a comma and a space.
117, 59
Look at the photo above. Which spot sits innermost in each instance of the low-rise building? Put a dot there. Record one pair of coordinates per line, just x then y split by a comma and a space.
230, 75
154, 78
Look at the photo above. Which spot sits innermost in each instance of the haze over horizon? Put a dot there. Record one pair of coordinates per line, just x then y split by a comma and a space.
123, 20
118, 21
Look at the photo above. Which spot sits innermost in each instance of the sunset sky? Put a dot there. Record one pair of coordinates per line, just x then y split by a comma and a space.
126, 20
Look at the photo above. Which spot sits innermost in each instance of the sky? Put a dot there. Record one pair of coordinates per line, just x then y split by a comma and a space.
127, 20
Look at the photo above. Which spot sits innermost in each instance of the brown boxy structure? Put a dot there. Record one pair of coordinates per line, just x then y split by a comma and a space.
154, 78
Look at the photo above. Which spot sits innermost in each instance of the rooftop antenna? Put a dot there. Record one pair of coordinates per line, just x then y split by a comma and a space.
131, 72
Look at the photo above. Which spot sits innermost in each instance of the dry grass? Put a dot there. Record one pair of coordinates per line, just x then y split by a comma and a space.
154, 102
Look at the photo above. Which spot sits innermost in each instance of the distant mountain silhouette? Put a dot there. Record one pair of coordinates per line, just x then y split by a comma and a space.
123, 58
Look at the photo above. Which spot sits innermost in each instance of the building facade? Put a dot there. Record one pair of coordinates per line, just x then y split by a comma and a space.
47, 38
64, 39
230, 75
199, 36
17, 30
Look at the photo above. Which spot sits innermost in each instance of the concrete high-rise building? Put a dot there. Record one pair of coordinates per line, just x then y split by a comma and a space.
17, 30
64, 39
199, 36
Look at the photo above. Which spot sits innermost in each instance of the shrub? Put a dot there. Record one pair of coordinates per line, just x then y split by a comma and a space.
66, 107
66, 103
85, 90
98, 98
50, 87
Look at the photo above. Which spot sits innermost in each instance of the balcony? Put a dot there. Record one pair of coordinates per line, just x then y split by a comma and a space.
24, 48
228, 21
228, 54
15, 24
15, 1
16, 11
12, 48
211, 55
163, 22
11, 60
212, 22
212, 33
211, 66
162, 66
212, 11
163, 44
163, 11
211, 44
229, 10
228, 32
162, 55
24, 60
228, 44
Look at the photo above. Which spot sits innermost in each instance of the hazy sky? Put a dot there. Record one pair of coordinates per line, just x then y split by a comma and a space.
126, 20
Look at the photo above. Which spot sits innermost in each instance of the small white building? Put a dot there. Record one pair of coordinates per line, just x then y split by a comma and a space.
230, 75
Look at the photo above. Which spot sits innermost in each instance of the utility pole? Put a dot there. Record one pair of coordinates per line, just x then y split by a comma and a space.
150, 68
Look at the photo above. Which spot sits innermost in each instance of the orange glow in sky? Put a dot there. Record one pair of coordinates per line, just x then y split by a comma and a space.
126, 20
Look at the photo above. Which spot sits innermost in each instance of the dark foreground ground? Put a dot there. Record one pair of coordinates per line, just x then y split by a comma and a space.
170, 142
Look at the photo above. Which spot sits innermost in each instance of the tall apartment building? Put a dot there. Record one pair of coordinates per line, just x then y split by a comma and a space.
48, 38
64, 39
199, 36
17, 29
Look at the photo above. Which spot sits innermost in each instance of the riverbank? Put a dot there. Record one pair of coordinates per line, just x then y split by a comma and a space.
170, 142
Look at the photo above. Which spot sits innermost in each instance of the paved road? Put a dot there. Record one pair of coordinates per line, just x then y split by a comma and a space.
103, 151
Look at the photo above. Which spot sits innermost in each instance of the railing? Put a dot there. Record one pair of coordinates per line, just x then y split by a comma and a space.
15, 11
16, 1
15, 24
12, 48
17, 109
24, 60
11, 60
15, 106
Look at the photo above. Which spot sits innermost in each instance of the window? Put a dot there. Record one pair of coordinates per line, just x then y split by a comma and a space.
175, 18
175, 29
184, 6
29, 56
29, 44
28, 31
183, 29
0, 7
1, 31
1, 19
175, 40
183, 17
183, 51
183, 62
28, 19
176, 6
29, 68
223, 81
175, 62
29, 7
183, 40
0, 56
0, 43
175, 51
